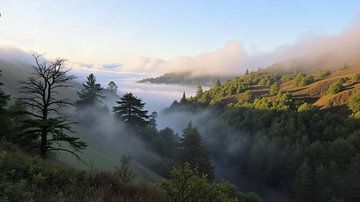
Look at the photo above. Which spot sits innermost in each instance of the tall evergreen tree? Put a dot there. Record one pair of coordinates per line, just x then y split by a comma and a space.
91, 92
47, 127
130, 109
4, 98
183, 99
191, 150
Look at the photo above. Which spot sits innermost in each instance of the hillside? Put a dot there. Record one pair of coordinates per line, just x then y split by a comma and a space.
94, 156
315, 91
184, 78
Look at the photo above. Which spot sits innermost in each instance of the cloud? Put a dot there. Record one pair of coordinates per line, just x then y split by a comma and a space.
112, 66
222, 61
308, 52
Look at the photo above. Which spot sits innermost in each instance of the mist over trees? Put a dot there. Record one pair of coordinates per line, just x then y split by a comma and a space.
90, 94
191, 150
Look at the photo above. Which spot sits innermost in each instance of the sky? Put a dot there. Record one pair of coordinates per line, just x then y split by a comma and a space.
116, 32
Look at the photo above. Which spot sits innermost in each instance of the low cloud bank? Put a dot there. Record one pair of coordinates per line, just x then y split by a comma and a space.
310, 51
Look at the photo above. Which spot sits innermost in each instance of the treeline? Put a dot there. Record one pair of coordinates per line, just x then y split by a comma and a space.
38, 125
184, 78
291, 145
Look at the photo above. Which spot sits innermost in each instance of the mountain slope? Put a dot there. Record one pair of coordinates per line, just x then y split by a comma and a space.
95, 157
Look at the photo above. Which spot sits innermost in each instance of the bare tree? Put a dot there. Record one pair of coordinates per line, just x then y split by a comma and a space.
48, 129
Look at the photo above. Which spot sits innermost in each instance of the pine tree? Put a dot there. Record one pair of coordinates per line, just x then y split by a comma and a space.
183, 99
191, 150
130, 110
47, 127
246, 72
91, 92
199, 91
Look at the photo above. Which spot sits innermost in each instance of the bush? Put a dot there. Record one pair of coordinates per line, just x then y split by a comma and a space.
324, 74
336, 87
356, 77
301, 80
187, 184
274, 89
305, 107
354, 103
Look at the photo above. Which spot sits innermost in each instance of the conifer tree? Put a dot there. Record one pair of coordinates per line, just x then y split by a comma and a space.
183, 99
130, 109
91, 92
192, 150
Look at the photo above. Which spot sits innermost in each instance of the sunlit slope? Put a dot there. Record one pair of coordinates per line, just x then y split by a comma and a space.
315, 93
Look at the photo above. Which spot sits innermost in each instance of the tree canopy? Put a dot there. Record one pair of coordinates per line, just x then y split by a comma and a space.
130, 109
192, 150
91, 92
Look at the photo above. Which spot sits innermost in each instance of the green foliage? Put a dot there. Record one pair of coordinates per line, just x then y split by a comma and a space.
187, 184
130, 110
274, 89
303, 181
236, 86
324, 73
356, 77
91, 92
354, 102
302, 79
24, 178
191, 150
306, 107
336, 87
184, 78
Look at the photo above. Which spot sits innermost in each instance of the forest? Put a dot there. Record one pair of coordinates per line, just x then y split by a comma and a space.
40, 125
277, 138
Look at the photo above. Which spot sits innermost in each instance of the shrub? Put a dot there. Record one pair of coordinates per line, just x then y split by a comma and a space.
356, 77
305, 107
187, 184
274, 89
354, 103
324, 74
336, 87
301, 80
